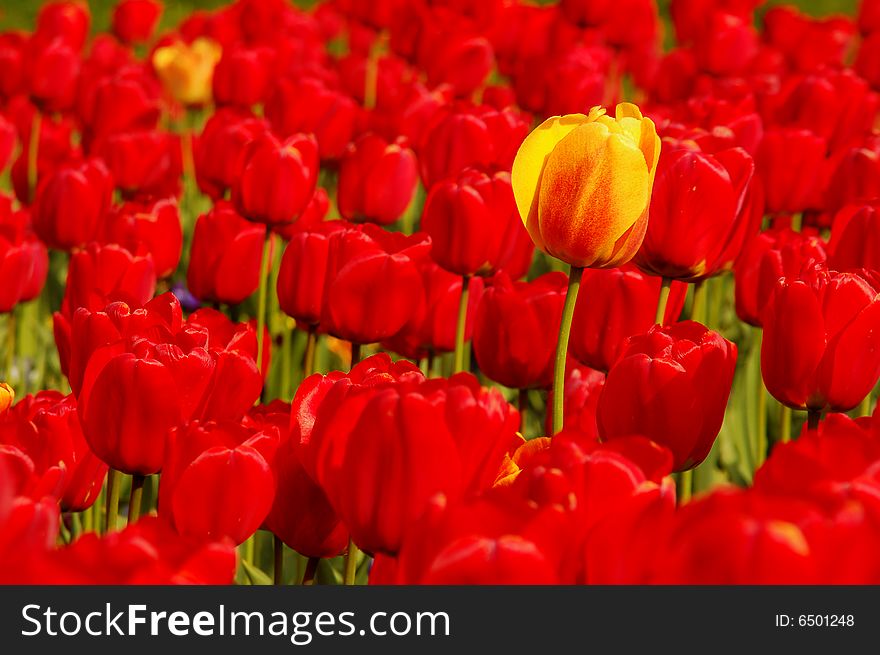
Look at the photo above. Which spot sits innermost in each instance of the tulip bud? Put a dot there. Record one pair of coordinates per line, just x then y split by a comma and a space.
277, 179
67, 20
186, 70
225, 256
377, 180
583, 185
622, 303
134, 20
71, 204
516, 327
816, 327
473, 225
645, 387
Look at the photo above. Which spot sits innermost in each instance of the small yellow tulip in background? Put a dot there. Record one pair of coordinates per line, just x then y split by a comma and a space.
187, 70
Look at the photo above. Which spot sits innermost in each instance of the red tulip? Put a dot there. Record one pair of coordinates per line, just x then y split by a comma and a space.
225, 256
406, 442
617, 303
142, 163
516, 328
221, 149
703, 196
313, 216
224, 334
789, 163
46, 427
216, 480
71, 204
869, 16
725, 44
125, 98
866, 61
67, 20
670, 385
377, 180
155, 225
308, 105
52, 70
277, 179
24, 261
134, 20
855, 238
854, 175
53, 150
100, 274
474, 225
301, 515
820, 348
241, 77
771, 255
583, 386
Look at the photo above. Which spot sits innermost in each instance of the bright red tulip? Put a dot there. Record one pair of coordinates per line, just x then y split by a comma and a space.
789, 164
670, 385
241, 77
155, 225
24, 261
855, 238
100, 274
134, 20
220, 150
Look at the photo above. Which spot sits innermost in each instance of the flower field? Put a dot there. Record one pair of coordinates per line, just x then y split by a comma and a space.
432, 292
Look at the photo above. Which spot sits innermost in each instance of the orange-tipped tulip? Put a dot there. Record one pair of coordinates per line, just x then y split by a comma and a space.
583, 185
7, 396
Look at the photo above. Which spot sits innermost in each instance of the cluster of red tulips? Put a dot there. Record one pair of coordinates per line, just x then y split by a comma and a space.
315, 296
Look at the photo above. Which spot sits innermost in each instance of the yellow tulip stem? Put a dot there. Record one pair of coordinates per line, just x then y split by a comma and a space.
665, 286
462, 324
261, 298
574, 284
114, 478
350, 567
785, 424
136, 498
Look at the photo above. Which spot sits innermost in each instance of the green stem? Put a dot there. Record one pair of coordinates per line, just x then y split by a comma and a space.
311, 347
33, 155
371, 75
523, 409
278, 571
350, 567
686, 486
461, 326
865, 407
261, 299
114, 478
136, 497
574, 284
311, 570
699, 303
88, 518
761, 453
665, 286
355, 355
76, 527
785, 424
286, 342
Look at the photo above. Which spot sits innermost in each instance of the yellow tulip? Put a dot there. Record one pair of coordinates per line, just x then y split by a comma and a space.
583, 185
7, 396
187, 70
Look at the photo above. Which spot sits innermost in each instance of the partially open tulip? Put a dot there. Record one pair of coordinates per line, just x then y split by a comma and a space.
821, 330
187, 70
670, 385
516, 327
155, 225
583, 185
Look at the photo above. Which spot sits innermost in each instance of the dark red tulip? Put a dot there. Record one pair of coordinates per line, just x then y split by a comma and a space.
155, 225
225, 256
474, 226
301, 515
46, 427
209, 466
71, 204
277, 179
670, 385
98, 275
134, 20
241, 77
703, 196
308, 105
789, 163
516, 327
855, 238
221, 149
377, 180
615, 304
820, 348
437, 436
768, 256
